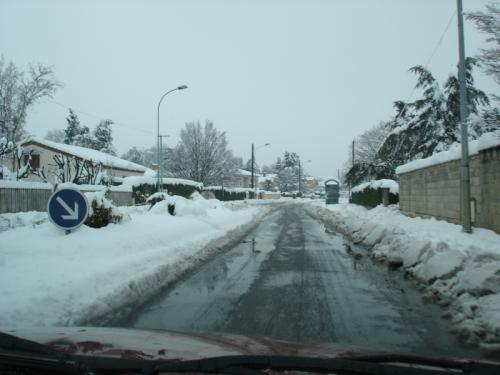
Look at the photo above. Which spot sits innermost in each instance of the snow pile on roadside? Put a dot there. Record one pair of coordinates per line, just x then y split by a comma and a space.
460, 271
485, 141
22, 219
94, 276
392, 185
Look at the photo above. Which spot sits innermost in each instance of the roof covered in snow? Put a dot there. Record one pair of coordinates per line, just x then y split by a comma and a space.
486, 141
243, 172
378, 184
88, 154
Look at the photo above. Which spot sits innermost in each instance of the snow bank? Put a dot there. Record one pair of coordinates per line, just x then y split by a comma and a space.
486, 141
139, 180
458, 270
392, 185
22, 219
93, 276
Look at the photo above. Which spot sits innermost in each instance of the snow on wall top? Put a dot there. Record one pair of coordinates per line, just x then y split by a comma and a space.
486, 141
25, 185
89, 154
138, 180
376, 184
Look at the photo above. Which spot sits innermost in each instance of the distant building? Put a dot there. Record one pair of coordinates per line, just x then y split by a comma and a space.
241, 179
42, 153
311, 183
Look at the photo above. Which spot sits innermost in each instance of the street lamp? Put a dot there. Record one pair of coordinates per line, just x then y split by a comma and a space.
182, 87
252, 182
161, 148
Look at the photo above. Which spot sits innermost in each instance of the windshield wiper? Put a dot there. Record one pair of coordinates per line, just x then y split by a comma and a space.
372, 365
22, 353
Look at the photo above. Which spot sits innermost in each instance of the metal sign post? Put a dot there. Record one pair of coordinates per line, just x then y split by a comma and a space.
68, 208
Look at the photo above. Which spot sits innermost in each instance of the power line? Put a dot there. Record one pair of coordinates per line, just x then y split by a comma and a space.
96, 116
436, 48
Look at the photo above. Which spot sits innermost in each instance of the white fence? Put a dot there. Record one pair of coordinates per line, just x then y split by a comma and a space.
20, 199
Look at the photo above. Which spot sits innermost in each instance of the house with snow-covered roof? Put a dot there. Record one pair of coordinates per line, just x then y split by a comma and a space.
40, 154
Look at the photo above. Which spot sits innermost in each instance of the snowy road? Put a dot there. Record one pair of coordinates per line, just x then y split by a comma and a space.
292, 278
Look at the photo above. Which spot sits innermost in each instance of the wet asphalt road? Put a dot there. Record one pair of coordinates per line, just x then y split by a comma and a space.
293, 279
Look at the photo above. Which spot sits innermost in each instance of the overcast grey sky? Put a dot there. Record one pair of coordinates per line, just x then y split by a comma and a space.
306, 76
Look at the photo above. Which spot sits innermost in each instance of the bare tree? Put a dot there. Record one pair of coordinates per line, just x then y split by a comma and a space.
75, 170
18, 93
368, 144
202, 155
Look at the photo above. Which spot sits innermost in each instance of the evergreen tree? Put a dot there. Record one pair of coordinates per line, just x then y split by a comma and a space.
287, 170
429, 124
103, 139
73, 128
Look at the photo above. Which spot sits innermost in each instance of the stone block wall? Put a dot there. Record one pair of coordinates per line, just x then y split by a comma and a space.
435, 191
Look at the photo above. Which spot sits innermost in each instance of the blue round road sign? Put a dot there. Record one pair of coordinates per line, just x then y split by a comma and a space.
68, 208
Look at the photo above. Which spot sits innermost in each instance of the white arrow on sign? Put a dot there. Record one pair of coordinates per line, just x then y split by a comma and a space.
73, 214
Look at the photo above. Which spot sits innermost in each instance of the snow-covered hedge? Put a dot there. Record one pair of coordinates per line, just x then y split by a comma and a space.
143, 187
370, 193
230, 194
378, 184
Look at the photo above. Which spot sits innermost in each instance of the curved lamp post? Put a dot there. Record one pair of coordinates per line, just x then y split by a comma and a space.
159, 184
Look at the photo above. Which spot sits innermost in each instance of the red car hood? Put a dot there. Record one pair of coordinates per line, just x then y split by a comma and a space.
167, 345
173, 345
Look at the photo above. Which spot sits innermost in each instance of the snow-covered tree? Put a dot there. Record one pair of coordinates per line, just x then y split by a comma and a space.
103, 138
202, 155
73, 129
134, 155
287, 169
56, 136
19, 92
368, 164
489, 23
429, 124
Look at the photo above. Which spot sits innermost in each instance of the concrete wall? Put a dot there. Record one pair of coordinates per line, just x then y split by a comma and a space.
435, 191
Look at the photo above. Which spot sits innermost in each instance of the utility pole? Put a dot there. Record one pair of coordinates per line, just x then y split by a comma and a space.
253, 172
161, 158
300, 185
464, 165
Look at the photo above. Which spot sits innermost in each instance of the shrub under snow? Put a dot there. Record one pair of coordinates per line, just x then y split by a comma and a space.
102, 211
